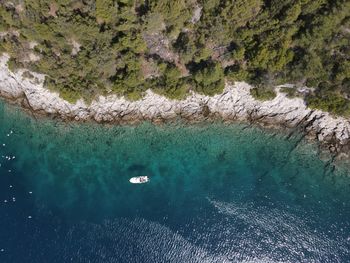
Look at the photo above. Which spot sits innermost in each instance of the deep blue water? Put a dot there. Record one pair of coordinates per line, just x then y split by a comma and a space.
218, 193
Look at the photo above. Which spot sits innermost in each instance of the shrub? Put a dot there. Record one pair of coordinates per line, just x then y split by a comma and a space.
236, 73
209, 79
178, 92
69, 95
105, 11
134, 95
330, 102
263, 94
12, 65
290, 92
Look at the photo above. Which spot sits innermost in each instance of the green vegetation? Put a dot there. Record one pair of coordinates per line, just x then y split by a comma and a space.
209, 79
327, 98
290, 92
263, 93
90, 47
332, 102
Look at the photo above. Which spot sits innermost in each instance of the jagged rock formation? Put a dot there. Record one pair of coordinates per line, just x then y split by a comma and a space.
235, 103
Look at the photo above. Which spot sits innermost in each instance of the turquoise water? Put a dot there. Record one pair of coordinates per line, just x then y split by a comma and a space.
218, 193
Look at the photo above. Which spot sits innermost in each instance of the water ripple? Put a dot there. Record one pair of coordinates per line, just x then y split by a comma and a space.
279, 236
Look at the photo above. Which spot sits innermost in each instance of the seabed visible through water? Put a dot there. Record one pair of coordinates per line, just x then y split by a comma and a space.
218, 193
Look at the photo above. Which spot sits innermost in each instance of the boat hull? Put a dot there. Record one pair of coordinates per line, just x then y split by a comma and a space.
139, 180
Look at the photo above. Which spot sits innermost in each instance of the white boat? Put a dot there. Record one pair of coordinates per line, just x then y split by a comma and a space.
139, 180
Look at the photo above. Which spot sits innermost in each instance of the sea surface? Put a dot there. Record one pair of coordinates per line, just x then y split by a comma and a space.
218, 193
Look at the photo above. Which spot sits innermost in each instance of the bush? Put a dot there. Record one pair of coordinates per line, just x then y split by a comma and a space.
290, 92
104, 11
12, 65
212, 89
69, 95
209, 79
236, 73
179, 92
134, 95
263, 94
330, 102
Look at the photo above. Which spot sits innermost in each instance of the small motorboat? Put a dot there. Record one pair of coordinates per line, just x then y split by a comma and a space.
139, 180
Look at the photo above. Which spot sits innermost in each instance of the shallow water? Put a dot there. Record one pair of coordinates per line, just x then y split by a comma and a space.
218, 193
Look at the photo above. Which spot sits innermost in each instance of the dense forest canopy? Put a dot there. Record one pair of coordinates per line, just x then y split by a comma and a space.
88, 47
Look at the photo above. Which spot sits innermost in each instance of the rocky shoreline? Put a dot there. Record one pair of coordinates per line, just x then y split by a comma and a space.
234, 104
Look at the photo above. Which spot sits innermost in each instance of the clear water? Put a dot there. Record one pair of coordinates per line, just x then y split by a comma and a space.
218, 193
